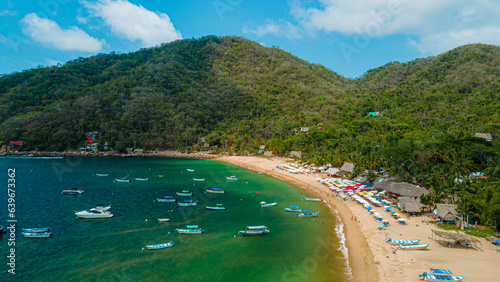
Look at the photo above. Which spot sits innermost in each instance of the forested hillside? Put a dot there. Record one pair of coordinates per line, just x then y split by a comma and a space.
240, 95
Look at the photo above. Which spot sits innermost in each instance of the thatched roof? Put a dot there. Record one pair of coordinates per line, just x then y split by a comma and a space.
361, 179
332, 171
413, 207
455, 236
405, 200
347, 167
446, 212
405, 189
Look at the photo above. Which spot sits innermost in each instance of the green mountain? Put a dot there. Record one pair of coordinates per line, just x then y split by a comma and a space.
239, 95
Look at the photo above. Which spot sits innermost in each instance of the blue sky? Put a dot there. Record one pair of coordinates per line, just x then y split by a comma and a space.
346, 36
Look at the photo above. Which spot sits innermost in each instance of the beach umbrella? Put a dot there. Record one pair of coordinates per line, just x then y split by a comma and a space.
401, 219
358, 184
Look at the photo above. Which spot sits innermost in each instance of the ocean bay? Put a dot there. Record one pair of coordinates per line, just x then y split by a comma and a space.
297, 249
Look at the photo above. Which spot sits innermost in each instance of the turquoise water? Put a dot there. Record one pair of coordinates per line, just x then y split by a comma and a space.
297, 249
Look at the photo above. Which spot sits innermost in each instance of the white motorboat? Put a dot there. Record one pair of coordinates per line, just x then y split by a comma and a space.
94, 213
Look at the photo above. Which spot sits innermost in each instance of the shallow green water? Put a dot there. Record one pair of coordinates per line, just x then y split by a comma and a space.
297, 249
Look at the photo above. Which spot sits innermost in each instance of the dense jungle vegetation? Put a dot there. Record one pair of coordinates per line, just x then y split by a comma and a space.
240, 95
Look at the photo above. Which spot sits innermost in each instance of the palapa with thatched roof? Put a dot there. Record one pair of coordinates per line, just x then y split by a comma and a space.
405, 189
414, 208
332, 171
458, 238
446, 212
347, 167
362, 179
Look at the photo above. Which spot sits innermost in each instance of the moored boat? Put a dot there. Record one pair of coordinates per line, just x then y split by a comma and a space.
122, 180
141, 179
255, 230
307, 213
184, 193
190, 229
36, 230
441, 277
216, 207
293, 209
232, 178
402, 242
198, 179
160, 246
94, 213
313, 199
37, 234
265, 205
163, 219
187, 203
101, 174
215, 191
166, 199
73, 191
413, 247
191, 170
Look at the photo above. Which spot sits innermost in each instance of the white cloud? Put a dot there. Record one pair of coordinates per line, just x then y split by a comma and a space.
8, 11
435, 26
134, 22
50, 34
279, 29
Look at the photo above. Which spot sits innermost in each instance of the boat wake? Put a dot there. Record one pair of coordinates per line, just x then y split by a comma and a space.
339, 230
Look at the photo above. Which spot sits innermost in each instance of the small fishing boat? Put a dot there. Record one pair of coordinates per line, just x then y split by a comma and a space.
255, 230
122, 180
191, 170
307, 213
141, 179
190, 229
232, 178
313, 199
37, 234
101, 174
160, 246
73, 191
413, 247
36, 230
188, 203
184, 193
265, 205
441, 277
293, 209
163, 219
215, 191
440, 271
217, 207
198, 179
403, 242
166, 199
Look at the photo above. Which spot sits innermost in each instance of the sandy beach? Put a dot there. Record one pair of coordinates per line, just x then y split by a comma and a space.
370, 257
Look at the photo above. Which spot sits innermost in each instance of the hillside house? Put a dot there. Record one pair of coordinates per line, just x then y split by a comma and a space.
485, 136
